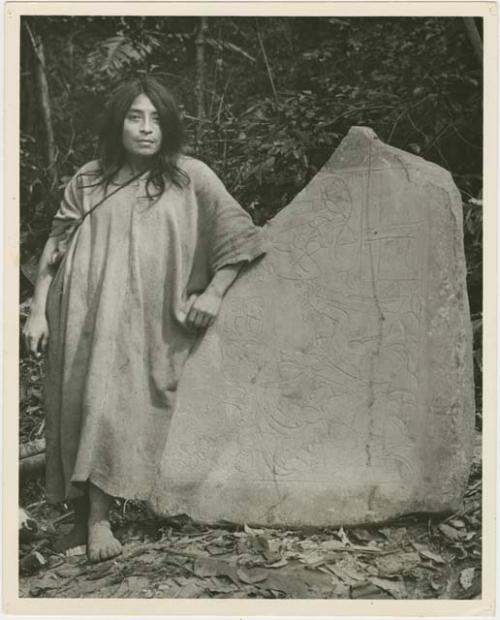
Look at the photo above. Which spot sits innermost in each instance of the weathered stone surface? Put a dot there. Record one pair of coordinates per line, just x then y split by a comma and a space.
336, 385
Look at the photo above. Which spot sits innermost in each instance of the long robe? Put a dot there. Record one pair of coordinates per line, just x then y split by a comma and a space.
116, 311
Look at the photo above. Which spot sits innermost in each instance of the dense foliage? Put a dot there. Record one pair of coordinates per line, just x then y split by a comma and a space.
278, 96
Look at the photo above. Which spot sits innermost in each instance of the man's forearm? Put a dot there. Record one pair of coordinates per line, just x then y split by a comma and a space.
223, 279
44, 278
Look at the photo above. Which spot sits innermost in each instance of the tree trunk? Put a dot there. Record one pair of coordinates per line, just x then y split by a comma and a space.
200, 77
43, 94
474, 38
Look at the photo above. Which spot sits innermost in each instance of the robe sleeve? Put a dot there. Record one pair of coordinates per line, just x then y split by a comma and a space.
71, 208
233, 237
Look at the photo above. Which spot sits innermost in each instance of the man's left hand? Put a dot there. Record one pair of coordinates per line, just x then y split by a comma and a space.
203, 309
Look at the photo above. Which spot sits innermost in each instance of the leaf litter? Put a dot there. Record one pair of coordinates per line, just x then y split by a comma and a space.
414, 557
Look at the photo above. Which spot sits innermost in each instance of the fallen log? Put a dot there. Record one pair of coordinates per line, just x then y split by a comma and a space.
30, 448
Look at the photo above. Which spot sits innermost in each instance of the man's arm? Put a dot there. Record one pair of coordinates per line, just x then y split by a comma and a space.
36, 330
204, 308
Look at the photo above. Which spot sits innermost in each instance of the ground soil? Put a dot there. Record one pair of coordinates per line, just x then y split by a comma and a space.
417, 557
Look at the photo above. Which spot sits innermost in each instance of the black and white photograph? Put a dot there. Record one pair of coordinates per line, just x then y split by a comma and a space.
250, 306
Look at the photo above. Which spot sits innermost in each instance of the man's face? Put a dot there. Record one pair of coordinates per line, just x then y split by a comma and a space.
141, 128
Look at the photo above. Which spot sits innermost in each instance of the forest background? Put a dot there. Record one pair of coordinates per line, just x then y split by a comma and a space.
265, 102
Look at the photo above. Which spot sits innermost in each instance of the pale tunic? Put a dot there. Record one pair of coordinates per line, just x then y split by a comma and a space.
116, 311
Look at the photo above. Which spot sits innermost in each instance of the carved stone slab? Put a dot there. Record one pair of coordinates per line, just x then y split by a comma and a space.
336, 385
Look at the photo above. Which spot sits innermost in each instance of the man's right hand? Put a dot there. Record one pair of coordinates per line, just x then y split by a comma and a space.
36, 333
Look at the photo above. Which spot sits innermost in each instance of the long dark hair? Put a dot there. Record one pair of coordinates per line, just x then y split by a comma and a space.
111, 151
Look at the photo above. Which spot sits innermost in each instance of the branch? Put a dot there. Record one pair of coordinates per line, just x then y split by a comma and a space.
45, 104
474, 38
200, 73
268, 67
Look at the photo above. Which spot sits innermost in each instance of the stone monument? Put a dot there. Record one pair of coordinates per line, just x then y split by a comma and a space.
336, 385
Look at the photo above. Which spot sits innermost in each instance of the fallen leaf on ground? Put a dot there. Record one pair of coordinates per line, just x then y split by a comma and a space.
96, 571
69, 571
132, 587
450, 532
307, 544
367, 590
348, 576
258, 543
332, 545
48, 581
395, 535
354, 574
395, 588
462, 553
435, 557
216, 550
31, 563
190, 590
209, 567
313, 559
363, 535
343, 536
278, 564
217, 585
397, 563
289, 584
440, 582
248, 575
251, 530
467, 577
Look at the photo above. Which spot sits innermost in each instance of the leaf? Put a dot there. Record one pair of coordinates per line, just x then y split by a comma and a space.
332, 545
437, 582
397, 563
218, 586
366, 590
354, 574
425, 553
364, 535
287, 582
251, 531
450, 532
251, 576
48, 581
216, 550
343, 536
210, 567
278, 564
467, 577
207, 567
259, 543
347, 575
395, 588
40, 558
190, 590
313, 559
25, 521
69, 571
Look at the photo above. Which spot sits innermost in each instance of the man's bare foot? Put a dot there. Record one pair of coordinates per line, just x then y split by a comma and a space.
101, 544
